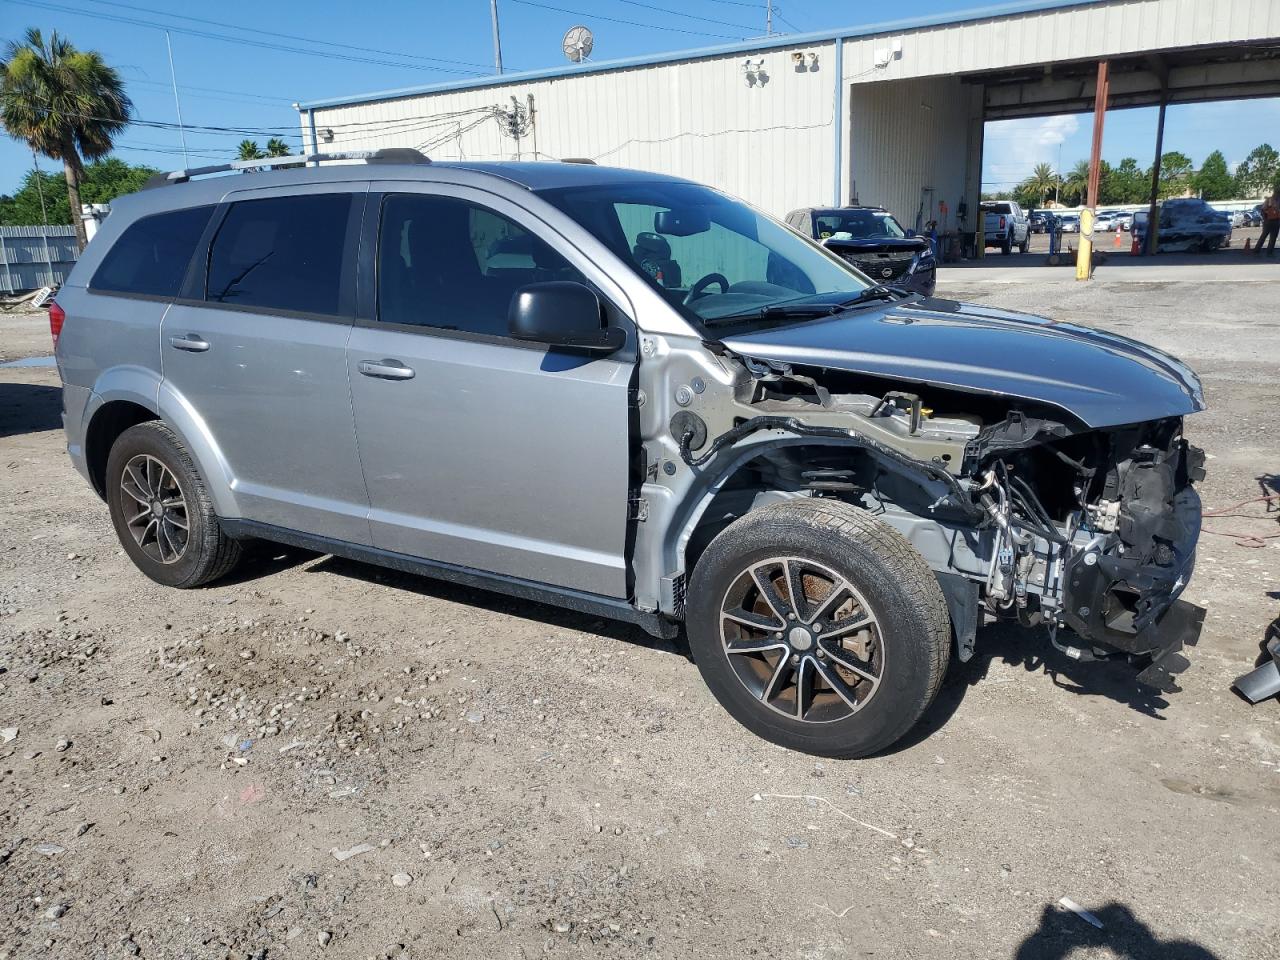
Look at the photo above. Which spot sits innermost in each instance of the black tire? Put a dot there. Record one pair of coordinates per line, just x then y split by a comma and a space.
1006, 246
207, 553
910, 638
1025, 245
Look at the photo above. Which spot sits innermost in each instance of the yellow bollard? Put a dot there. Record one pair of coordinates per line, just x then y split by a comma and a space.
1084, 256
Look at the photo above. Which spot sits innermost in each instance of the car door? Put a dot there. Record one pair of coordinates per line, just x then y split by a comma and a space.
256, 347
479, 450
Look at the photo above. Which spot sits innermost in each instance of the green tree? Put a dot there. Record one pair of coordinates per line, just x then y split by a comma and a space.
1076, 184
277, 148
1042, 182
65, 103
102, 182
1213, 180
1258, 172
1128, 184
1176, 170
249, 150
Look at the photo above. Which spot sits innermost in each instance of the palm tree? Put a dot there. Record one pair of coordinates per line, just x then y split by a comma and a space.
65, 103
1042, 181
249, 150
1076, 183
277, 148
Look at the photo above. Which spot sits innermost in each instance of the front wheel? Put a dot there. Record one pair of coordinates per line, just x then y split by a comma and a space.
818, 627
162, 512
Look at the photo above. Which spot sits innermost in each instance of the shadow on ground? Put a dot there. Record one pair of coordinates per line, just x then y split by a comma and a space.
29, 408
1061, 933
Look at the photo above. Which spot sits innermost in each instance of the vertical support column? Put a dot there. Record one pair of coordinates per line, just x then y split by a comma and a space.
315, 142
8, 269
1152, 238
973, 173
1084, 258
837, 121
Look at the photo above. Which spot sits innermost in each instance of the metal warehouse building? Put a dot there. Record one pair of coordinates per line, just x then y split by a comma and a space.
889, 114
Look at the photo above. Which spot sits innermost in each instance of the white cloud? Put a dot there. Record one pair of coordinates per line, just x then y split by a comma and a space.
1013, 147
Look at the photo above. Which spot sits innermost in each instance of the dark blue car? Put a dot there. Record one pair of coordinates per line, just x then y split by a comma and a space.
874, 242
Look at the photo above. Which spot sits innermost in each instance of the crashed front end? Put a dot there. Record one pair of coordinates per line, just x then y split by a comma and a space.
1111, 556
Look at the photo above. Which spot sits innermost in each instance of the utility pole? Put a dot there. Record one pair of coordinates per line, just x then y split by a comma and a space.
768, 18
173, 78
1084, 257
497, 38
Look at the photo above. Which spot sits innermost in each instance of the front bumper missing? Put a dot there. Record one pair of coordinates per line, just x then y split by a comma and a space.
1133, 608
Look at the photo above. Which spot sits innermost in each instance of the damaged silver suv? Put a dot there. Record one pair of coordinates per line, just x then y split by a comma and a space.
634, 396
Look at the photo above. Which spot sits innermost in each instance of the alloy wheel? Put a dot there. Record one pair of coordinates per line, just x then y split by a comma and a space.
155, 509
802, 639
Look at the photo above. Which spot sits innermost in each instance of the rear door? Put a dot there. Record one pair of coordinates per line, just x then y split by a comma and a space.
257, 348
479, 450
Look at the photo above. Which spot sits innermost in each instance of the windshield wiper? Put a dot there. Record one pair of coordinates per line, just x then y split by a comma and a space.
792, 311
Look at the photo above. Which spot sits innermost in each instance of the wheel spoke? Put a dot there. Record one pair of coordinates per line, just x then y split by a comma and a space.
144, 512
843, 628
843, 658
163, 538
831, 602
762, 645
769, 593
780, 674
793, 576
181, 524
139, 481
836, 683
748, 618
804, 687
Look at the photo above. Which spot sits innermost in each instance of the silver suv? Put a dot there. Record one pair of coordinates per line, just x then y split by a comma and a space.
630, 395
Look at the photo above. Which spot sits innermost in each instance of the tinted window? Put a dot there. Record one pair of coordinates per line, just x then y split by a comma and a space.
450, 264
152, 255
282, 253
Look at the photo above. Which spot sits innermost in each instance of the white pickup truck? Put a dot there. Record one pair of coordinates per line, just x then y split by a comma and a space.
1005, 225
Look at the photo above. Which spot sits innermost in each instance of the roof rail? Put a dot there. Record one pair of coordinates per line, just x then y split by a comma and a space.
385, 155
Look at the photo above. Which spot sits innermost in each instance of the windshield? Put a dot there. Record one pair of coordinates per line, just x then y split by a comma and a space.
710, 256
858, 225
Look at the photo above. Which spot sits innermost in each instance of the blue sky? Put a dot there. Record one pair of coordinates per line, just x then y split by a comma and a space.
251, 83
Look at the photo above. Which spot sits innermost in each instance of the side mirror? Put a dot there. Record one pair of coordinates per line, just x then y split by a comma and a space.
562, 313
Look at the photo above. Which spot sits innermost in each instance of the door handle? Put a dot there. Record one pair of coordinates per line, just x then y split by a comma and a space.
385, 369
192, 343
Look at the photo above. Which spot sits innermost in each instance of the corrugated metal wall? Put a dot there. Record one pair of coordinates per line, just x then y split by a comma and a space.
909, 146
33, 257
769, 142
1075, 33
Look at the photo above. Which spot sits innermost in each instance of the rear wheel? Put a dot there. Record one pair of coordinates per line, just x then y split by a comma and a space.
162, 512
1006, 245
818, 627
1025, 244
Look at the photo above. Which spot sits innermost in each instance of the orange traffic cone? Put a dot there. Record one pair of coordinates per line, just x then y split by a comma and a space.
1134, 247
1117, 243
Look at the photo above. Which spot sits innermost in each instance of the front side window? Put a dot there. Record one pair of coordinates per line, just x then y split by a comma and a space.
152, 255
282, 253
712, 257
453, 265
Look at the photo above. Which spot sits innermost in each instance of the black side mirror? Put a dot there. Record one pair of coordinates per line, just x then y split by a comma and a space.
562, 313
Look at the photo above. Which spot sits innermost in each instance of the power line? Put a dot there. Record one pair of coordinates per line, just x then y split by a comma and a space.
187, 88
629, 23
262, 44
287, 36
687, 16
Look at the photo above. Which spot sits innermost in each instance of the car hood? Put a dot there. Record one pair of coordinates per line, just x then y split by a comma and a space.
877, 244
1099, 378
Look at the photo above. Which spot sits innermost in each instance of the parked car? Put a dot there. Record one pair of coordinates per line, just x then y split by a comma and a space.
1038, 221
1187, 224
1004, 225
1104, 222
1123, 221
874, 242
1253, 216
636, 397
1070, 222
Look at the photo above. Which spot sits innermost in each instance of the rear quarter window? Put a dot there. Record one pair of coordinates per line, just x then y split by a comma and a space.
152, 254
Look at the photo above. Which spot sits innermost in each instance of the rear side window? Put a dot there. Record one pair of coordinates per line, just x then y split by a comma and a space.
282, 253
152, 255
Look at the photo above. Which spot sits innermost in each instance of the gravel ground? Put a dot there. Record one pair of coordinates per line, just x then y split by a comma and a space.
323, 759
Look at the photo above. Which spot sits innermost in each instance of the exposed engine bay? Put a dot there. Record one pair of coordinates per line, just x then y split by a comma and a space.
1022, 511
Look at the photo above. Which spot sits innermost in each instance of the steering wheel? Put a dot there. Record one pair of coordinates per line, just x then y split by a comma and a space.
699, 289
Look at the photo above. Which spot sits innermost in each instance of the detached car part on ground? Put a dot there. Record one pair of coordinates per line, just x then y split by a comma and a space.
831, 482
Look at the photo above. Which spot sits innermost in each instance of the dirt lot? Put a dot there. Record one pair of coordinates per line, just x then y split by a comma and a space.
322, 759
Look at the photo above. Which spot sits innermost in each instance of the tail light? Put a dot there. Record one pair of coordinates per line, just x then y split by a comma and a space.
57, 316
